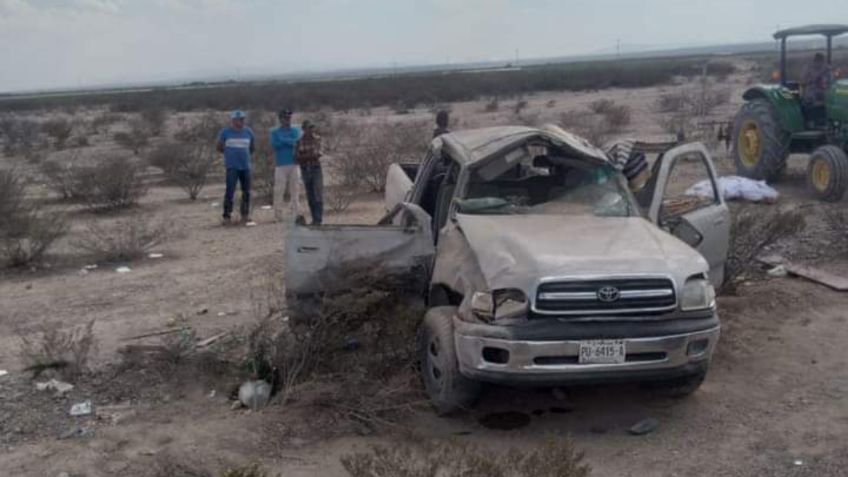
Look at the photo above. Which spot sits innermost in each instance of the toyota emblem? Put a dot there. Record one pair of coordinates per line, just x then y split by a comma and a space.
608, 294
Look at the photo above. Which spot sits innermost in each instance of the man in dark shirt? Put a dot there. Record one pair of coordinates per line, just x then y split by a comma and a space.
308, 156
442, 120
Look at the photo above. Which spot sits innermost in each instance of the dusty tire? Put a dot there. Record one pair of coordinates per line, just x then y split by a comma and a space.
827, 173
448, 390
760, 145
678, 387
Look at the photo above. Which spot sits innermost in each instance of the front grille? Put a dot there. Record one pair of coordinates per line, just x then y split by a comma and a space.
612, 296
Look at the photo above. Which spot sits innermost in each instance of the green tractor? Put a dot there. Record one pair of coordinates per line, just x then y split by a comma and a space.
775, 121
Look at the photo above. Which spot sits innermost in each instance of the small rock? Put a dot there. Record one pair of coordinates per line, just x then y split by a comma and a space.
778, 271
77, 432
645, 426
222, 313
250, 224
255, 394
81, 409
236, 405
266, 207
155, 255
3, 372
798, 462
123, 269
90, 267
82, 272
202, 311
115, 413
28, 286
61, 388
147, 452
214, 204
212, 394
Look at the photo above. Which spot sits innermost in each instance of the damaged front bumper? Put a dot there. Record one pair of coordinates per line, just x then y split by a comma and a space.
547, 352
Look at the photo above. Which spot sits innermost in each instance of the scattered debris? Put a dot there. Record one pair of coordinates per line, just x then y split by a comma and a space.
236, 405
155, 255
645, 426
778, 271
60, 387
222, 313
203, 310
123, 269
3, 372
82, 272
250, 224
115, 413
255, 394
212, 394
90, 267
215, 204
819, 276
153, 333
211, 339
74, 432
798, 462
735, 187
266, 207
81, 409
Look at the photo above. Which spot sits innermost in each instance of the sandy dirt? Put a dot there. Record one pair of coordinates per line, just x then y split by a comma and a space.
773, 404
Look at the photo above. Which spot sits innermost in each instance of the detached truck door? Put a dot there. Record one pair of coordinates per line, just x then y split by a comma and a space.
688, 204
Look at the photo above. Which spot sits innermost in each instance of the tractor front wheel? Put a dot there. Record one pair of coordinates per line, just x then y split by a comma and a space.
827, 173
760, 145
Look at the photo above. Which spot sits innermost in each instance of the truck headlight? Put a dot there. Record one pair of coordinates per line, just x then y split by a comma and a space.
500, 304
697, 294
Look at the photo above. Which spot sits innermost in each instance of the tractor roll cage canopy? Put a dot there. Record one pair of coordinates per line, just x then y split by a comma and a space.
828, 31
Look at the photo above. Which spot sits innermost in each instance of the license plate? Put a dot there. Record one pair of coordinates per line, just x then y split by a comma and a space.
602, 352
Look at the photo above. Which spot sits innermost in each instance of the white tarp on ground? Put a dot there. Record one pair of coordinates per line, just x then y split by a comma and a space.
735, 187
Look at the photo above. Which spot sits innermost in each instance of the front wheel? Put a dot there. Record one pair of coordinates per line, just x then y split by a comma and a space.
827, 173
760, 145
449, 391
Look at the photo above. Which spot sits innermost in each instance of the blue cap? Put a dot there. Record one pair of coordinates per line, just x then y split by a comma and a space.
237, 114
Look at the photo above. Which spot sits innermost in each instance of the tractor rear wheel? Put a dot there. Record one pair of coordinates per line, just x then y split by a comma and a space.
760, 145
827, 173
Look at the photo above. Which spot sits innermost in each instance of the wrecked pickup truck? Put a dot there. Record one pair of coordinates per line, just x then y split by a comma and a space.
541, 266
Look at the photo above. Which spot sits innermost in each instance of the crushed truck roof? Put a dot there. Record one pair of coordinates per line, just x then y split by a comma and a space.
826, 30
475, 145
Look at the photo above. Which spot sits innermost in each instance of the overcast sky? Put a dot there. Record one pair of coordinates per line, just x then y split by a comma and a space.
73, 43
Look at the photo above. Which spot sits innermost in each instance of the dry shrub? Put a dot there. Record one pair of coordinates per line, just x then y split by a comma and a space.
519, 106
251, 470
555, 458
19, 136
339, 197
362, 154
550, 104
593, 128
753, 230
492, 106
176, 347
26, 230
618, 116
123, 240
263, 165
671, 102
136, 139
153, 119
187, 164
101, 123
59, 129
112, 183
66, 350
352, 352
601, 106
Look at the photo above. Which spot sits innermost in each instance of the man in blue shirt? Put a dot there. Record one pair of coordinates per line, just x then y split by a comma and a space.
236, 143
283, 140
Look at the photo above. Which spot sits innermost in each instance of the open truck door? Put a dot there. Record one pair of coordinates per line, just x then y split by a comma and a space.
702, 221
322, 259
399, 182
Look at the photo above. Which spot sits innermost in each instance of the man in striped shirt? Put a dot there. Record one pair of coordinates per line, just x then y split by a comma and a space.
236, 143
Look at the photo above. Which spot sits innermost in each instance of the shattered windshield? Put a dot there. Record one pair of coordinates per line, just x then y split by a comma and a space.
541, 184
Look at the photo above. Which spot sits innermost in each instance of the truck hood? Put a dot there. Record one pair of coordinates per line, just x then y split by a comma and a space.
517, 251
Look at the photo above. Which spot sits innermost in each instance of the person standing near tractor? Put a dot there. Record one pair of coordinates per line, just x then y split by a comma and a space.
308, 156
236, 143
283, 141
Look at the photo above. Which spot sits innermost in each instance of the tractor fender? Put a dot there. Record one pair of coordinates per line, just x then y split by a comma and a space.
785, 103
